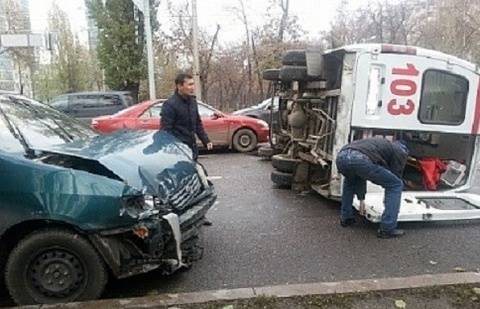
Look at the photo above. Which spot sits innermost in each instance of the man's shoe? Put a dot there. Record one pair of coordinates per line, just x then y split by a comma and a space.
347, 222
390, 234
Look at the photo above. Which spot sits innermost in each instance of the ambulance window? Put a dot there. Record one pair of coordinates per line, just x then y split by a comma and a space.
444, 98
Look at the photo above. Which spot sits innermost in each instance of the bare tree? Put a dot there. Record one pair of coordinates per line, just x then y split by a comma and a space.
381, 21
452, 26
72, 67
205, 69
180, 41
242, 15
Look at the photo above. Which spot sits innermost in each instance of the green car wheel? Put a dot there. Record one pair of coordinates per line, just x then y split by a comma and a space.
53, 265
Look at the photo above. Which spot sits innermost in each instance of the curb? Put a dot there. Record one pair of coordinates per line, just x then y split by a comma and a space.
321, 288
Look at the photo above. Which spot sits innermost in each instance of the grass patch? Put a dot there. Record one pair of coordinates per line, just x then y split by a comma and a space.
458, 296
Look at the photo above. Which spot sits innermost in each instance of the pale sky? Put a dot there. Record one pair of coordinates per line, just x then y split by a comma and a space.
75, 10
314, 15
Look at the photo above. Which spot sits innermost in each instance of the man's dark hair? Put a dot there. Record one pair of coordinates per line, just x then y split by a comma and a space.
181, 77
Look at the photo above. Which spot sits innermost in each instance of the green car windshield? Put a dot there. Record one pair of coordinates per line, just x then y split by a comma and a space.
28, 124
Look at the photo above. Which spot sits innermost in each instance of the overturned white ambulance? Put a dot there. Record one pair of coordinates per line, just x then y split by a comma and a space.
426, 98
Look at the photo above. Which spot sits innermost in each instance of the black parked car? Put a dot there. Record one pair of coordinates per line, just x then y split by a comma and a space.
261, 111
88, 105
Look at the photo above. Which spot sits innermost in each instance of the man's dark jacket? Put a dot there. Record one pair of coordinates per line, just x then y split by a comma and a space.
383, 152
180, 118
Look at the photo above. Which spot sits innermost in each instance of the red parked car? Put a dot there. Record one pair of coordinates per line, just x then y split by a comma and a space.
238, 132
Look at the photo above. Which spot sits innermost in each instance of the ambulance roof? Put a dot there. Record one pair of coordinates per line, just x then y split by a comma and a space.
403, 49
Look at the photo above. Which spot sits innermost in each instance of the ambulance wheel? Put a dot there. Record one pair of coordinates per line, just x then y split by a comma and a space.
284, 164
271, 74
295, 57
283, 180
290, 73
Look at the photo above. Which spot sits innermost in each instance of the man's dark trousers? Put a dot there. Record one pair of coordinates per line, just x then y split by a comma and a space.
357, 169
194, 149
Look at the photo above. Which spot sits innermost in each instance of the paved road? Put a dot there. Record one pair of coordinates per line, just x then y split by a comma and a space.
262, 235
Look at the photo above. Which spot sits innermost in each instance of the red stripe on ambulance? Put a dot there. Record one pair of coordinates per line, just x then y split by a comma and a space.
476, 120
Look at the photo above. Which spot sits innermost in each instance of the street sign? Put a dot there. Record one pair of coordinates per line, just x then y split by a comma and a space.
22, 40
46, 40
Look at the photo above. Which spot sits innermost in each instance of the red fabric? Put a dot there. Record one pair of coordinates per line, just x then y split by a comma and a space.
431, 169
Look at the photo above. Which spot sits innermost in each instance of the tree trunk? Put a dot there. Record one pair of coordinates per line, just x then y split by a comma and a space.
257, 68
206, 67
247, 41
20, 80
133, 88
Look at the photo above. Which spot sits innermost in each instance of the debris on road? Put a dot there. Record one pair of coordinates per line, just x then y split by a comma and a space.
400, 304
214, 177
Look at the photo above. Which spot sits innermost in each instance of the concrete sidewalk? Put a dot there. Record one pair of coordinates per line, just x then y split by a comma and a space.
281, 291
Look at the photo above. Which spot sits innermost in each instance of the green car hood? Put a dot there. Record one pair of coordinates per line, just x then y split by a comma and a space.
155, 163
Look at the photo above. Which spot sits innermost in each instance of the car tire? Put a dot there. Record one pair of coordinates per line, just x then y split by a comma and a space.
281, 179
295, 57
271, 74
284, 164
266, 152
54, 265
293, 73
244, 140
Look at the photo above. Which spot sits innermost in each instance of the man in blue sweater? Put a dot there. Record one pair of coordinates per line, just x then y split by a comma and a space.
381, 162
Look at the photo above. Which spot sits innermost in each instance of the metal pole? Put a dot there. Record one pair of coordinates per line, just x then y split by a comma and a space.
196, 62
148, 32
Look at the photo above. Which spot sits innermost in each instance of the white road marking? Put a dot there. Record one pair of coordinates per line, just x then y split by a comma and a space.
214, 177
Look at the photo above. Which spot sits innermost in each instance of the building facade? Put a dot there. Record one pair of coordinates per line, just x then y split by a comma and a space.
14, 18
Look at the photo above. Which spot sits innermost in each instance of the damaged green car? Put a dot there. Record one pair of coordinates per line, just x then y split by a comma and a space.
76, 207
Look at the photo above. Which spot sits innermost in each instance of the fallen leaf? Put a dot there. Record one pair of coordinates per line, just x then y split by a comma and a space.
476, 291
152, 292
433, 262
459, 269
400, 304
